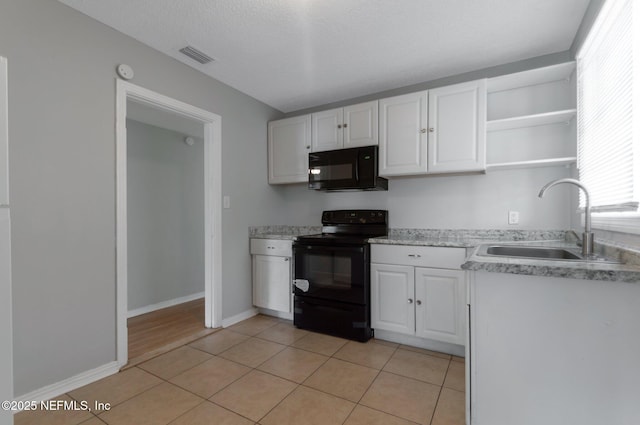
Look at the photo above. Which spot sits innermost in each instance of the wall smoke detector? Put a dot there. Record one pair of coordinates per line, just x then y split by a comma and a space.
196, 55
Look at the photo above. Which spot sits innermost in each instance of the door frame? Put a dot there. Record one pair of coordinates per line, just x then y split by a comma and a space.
6, 321
212, 206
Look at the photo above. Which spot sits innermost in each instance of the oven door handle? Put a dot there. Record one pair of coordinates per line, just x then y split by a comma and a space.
306, 248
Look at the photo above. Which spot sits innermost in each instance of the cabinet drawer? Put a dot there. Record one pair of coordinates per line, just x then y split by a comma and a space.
271, 247
420, 256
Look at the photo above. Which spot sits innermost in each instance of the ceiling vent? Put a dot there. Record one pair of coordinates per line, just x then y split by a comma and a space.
196, 55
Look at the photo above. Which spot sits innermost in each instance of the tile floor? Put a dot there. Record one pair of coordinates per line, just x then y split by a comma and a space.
265, 371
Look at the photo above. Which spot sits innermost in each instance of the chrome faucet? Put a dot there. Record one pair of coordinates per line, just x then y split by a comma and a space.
587, 236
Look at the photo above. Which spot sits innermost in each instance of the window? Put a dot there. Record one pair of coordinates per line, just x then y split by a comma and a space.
608, 129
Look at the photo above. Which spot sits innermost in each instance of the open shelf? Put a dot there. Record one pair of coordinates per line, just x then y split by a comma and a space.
532, 163
531, 120
532, 77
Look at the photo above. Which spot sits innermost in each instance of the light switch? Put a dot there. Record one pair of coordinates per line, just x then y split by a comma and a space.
226, 202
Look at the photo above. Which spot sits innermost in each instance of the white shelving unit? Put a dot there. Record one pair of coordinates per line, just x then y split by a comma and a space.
531, 118
532, 163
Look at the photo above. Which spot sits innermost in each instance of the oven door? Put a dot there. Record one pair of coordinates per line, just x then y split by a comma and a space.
332, 272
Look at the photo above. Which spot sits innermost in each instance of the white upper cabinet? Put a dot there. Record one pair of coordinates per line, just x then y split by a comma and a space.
457, 117
403, 138
439, 131
361, 124
348, 127
289, 142
326, 130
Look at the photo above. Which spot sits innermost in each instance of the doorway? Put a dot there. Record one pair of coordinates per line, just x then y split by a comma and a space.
130, 94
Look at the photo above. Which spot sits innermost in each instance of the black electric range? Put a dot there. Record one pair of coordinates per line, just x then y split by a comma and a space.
332, 274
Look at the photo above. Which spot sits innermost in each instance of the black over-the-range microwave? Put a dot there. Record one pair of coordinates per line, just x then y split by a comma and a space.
346, 169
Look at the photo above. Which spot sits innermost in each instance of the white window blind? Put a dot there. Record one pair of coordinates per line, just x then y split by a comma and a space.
608, 156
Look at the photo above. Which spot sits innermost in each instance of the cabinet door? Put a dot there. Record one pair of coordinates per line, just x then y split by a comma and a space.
289, 147
360, 125
392, 298
457, 118
440, 304
403, 138
272, 282
326, 130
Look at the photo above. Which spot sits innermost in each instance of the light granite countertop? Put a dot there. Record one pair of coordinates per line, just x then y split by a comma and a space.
282, 232
627, 271
463, 238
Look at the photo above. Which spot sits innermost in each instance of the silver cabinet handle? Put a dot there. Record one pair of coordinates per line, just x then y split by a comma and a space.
431, 130
418, 302
339, 125
424, 130
410, 301
308, 147
415, 255
344, 125
286, 259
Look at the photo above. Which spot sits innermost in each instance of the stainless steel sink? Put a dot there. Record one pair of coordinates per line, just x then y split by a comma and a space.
538, 252
533, 252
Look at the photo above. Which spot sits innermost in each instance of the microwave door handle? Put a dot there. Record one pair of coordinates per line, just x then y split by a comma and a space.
357, 169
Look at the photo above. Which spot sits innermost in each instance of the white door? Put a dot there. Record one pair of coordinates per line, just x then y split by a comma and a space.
289, 147
272, 282
6, 331
457, 117
403, 138
361, 124
326, 130
440, 304
392, 298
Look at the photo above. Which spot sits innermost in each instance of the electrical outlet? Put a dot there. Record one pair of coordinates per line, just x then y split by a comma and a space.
514, 217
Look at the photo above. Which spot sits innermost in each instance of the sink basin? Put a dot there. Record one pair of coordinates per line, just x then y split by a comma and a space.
538, 252
532, 252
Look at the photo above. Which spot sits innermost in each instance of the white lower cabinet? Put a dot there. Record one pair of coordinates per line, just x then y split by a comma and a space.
392, 294
440, 304
271, 264
425, 302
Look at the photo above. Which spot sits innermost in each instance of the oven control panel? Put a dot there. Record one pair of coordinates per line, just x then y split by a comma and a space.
337, 217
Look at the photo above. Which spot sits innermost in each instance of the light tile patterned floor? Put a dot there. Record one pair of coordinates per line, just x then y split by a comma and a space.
265, 371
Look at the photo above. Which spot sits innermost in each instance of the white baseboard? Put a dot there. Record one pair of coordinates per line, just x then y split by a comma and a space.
239, 317
70, 384
163, 304
427, 344
274, 313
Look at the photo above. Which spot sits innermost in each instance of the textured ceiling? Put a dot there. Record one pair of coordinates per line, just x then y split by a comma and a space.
295, 54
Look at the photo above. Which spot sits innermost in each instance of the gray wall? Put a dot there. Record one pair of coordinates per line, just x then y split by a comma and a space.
165, 215
62, 165
588, 20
